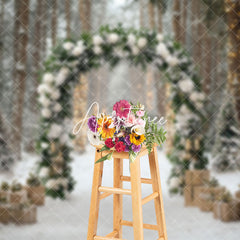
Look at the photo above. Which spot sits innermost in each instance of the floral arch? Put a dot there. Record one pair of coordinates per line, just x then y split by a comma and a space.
72, 57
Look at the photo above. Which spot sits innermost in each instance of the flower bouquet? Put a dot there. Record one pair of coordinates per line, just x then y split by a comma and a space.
128, 129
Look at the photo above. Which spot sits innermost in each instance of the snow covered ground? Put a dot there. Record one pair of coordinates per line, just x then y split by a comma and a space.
68, 220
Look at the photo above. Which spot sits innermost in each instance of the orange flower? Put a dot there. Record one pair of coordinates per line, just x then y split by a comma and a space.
105, 131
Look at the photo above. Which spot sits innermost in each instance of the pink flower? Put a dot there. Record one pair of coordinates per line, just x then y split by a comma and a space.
140, 113
140, 122
131, 120
122, 108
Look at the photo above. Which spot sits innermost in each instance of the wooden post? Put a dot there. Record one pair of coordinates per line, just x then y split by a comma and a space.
95, 197
117, 198
136, 199
158, 201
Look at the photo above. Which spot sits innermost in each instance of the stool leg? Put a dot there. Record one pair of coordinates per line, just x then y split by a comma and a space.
117, 198
156, 185
94, 207
136, 199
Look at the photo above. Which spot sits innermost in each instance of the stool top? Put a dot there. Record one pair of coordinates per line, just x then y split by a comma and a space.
123, 155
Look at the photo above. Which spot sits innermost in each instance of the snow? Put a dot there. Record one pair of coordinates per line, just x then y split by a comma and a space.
68, 220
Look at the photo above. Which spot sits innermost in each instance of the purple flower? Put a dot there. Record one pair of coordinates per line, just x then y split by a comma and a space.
127, 140
136, 148
92, 124
126, 148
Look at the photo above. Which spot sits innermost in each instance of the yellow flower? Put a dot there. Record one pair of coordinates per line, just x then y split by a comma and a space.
137, 139
105, 131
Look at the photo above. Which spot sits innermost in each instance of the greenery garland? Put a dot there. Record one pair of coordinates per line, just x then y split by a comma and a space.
75, 56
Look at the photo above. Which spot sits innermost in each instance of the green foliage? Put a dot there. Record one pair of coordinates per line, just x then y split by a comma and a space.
33, 180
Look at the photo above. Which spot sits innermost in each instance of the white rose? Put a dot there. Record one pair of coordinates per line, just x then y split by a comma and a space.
159, 37
97, 50
174, 182
186, 85
48, 78
135, 50
42, 88
162, 50
44, 172
131, 39
184, 110
55, 94
63, 182
52, 184
197, 96
97, 40
55, 131
64, 138
112, 38
61, 76
78, 50
172, 61
46, 113
44, 145
93, 138
142, 42
57, 107
45, 102
138, 129
68, 46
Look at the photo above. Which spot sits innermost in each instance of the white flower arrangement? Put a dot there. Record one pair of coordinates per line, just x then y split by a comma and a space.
48, 78
55, 95
172, 61
68, 46
57, 107
46, 113
131, 40
162, 50
160, 37
174, 182
113, 38
186, 85
97, 50
61, 76
94, 138
52, 184
97, 40
78, 50
44, 101
55, 131
44, 172
142, 42
44, 145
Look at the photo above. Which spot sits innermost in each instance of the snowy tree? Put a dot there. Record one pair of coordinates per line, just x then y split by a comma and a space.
6, 157
227, 144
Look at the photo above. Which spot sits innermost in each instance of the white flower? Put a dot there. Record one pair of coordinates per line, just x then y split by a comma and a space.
172, 61
138, 129
45, 102
46, 113
97, 40
186, 85
142, 42
162, 50
68, 46
44, 172
184, 110
61, 76
55, 131
112, 38
52, 184
196, 96
42, 88
55, 94
159, 37
48, 78
44, 145
131, 39
93, 138
97, 50
135, 50
64, 138
57, 107
78, 50
174, 182
63, 182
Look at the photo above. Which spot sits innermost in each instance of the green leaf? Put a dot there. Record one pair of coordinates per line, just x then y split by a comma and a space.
104, 148
107, 157
132, 156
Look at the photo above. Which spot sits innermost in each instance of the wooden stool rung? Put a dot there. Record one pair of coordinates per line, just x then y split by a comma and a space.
104, 195
115, 190
149, 198
107, 238
145, 225
112, 234
143, 180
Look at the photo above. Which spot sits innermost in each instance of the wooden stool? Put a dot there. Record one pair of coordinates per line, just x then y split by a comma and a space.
99, 192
